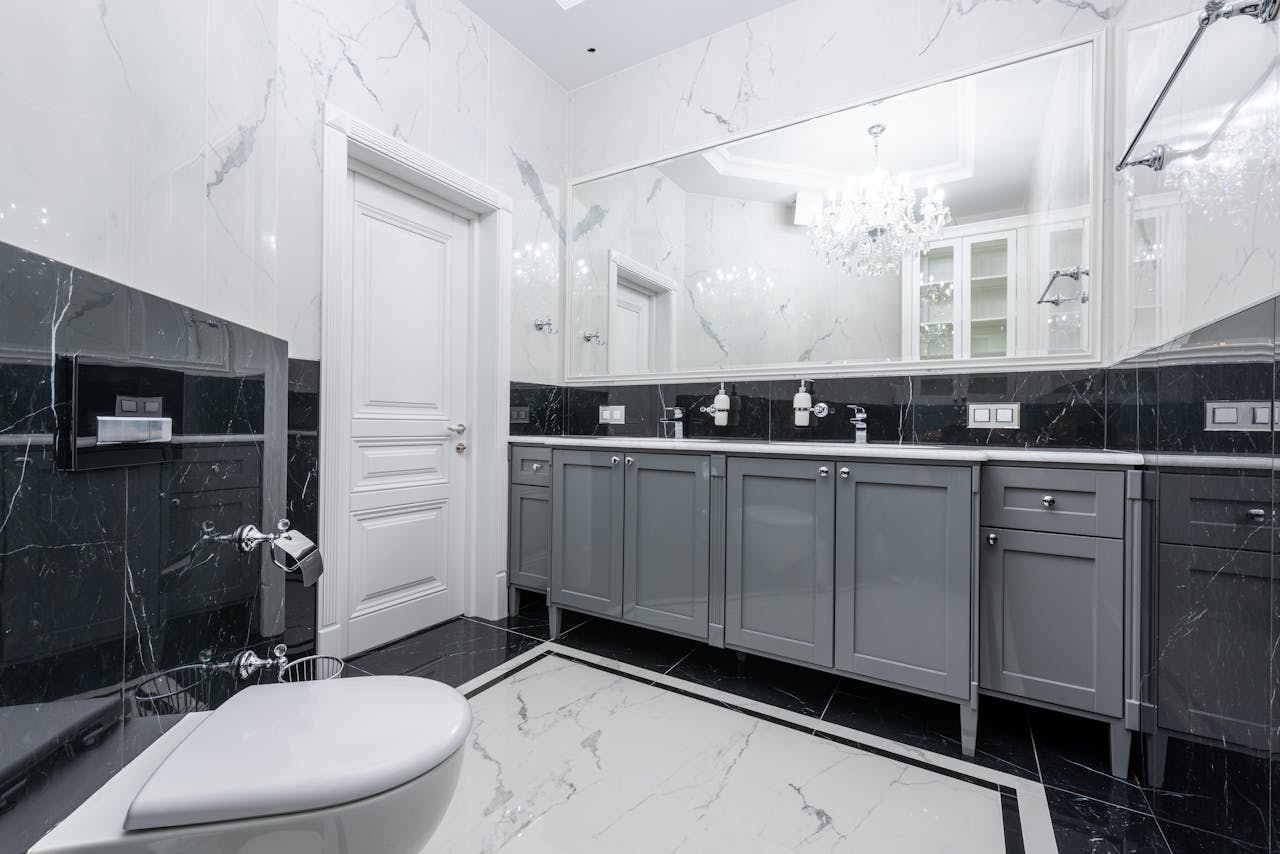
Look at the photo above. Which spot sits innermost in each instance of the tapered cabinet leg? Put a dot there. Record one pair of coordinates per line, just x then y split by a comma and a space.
513, 601
553, 619
968, 729
1120, 739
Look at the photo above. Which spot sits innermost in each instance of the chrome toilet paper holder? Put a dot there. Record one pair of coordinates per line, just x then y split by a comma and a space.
290, 551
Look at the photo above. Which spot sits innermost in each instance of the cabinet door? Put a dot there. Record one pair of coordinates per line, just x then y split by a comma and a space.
529, 561
666, 563
1214, 622
936, 306
990, 285
586, 531
779, 558
904, 574
1053, 618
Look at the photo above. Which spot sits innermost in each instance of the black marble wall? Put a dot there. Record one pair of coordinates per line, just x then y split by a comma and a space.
106, 590
1060, 409
302, 497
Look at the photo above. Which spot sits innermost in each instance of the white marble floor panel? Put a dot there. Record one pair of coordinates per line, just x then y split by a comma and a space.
565, 756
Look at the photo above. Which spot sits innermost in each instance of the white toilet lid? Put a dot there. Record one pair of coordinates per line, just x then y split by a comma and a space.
285, 748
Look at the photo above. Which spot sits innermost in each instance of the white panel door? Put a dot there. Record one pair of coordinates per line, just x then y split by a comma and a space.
632, 330
406, 464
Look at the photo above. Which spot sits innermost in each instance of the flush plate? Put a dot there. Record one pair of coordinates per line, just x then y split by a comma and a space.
995, 416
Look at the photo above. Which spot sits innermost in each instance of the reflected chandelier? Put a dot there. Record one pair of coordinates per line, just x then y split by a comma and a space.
877, 221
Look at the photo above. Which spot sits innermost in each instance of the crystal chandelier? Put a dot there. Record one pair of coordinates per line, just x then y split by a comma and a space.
877, 221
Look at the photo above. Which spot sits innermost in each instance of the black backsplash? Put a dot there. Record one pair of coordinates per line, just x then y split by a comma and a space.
1060, 409
302, 497
103, 582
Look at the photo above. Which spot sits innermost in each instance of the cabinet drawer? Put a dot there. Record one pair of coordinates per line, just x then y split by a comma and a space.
1217, 511
531, 466
1058, 501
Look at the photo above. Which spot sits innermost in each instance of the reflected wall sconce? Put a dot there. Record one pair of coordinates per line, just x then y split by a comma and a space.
591, 336
545, 324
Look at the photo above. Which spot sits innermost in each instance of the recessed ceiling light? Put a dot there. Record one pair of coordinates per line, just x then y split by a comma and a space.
569, 4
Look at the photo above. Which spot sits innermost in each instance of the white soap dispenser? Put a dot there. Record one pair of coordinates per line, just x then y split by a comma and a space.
802, 403
721, 406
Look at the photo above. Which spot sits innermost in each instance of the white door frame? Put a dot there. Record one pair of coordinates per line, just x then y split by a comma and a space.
350, 142
663, 317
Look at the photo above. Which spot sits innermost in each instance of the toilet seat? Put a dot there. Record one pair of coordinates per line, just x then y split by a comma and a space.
285, 748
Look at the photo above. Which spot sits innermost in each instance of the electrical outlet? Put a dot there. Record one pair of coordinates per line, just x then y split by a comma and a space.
995, 416
519, 415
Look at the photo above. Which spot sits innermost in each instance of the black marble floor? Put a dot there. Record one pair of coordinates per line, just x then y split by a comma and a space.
1093, 812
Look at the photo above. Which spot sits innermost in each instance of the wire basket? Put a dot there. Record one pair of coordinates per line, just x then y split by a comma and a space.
190, 688
312, 668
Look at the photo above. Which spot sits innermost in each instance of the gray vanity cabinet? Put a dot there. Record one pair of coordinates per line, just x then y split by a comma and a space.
1052, 618
587, 531
779, 567
904, 554
667, 541
529, 536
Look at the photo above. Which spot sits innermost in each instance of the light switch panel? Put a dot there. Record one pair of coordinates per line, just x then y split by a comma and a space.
519, 415
1244, 416
613, 415
995, 416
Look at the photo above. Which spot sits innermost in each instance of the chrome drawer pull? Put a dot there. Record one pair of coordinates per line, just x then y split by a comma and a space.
1257, 514
536, 467
992, 539
1048, 501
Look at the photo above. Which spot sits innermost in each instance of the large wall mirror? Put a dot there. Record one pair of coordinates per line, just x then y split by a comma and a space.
952, 225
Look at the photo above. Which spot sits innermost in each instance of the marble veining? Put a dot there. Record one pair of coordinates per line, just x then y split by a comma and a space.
571, 757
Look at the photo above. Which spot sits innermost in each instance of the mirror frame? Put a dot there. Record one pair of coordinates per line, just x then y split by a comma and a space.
1101, 248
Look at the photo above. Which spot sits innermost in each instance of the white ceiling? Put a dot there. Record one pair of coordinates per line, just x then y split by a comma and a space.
623, 32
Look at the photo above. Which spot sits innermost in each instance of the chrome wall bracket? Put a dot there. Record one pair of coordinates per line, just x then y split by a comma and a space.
1263, 11
1075, 273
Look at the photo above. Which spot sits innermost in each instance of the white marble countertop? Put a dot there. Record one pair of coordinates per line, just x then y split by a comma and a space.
846, 450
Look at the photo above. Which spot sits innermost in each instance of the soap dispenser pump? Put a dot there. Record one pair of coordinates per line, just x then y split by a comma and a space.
721, 407
802, 403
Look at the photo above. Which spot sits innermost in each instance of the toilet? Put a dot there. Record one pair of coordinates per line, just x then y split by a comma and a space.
342, 766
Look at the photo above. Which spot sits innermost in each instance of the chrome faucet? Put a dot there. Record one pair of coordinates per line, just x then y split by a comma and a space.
859, 421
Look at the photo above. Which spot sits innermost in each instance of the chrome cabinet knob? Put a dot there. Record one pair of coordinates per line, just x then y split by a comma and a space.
992, 539
844, 471
1257, 514
823, 471
614, 460
536, 467
457, 429
1048, 501
631, 461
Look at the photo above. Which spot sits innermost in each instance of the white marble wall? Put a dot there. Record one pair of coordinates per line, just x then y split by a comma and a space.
812, 56
175, 146
124, 154
432, 74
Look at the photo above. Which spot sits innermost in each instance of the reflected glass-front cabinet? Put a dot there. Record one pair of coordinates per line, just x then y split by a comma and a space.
963, 292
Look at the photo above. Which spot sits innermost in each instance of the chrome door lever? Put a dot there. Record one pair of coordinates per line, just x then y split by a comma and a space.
458, 429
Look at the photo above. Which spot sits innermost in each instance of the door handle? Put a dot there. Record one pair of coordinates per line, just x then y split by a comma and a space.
992, 539
458, 429
823, 471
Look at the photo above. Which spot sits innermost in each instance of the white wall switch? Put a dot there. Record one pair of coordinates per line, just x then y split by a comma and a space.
613, 415
995, 416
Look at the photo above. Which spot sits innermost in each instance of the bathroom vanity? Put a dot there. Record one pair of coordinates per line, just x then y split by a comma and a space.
949, 572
